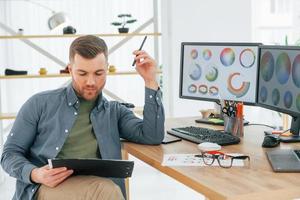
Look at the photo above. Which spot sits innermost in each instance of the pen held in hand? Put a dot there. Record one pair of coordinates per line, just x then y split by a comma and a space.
140, 48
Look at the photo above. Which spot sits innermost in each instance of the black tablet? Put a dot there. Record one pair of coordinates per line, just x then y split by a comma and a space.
96, 167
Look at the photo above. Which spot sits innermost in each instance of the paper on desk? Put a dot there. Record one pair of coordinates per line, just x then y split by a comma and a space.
191, 160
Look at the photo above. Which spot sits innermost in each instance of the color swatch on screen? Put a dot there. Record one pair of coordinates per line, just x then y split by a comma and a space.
267, 66
206, 54
283, 68
247, 58
296, 71
240, 91
227, 57
196, 72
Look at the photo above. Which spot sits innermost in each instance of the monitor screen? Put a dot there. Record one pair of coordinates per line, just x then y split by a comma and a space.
279, 81
219, 71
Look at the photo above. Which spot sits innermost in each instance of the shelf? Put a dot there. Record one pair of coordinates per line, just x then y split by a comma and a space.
118, 73
76, 35
7, 116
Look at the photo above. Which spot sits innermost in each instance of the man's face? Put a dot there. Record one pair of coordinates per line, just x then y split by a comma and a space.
88, 75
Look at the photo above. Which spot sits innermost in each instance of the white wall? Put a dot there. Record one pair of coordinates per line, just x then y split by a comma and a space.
198, 21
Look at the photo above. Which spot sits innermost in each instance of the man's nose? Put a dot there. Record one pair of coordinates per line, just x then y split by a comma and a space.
91, 80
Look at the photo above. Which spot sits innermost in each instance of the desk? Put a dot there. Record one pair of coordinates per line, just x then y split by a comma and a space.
256, 182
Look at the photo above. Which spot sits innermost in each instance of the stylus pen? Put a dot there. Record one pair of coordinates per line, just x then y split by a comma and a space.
140, 48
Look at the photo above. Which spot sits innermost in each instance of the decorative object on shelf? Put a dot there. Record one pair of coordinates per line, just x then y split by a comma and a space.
64, 71
112, 68
43, 71
125, 20
58, 19
69, 30
9, 72
20, 31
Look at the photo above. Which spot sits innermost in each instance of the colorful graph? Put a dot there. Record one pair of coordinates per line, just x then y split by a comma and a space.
206, 54
192, 88
212, 75
213, 90
196, 72
247, 58
227, 57
275, 96
240, 91
283, 68
263, 94
267, 66
288, 99
194, 54
296, 71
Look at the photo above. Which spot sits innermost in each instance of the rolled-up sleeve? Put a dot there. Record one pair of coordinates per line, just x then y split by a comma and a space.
150, 129
14, 156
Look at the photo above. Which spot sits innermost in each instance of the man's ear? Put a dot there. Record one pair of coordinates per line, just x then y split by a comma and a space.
69, 67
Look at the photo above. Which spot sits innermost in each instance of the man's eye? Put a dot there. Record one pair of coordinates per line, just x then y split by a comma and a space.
99, 74
82, 74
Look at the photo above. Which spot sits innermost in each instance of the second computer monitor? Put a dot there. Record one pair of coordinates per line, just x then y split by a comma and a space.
219, 71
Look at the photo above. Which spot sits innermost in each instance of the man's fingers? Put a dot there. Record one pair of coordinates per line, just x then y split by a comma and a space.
55, 171
137, 52
45, 167
61, 177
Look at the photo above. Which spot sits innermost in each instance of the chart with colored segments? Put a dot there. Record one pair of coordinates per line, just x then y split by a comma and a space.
212, 71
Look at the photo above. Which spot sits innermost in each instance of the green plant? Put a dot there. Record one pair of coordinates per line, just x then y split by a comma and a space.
125, 20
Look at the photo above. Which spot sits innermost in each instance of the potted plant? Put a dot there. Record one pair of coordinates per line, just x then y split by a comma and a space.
126, 19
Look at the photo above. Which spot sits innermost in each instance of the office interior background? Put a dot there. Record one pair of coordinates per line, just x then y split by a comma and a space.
266, 21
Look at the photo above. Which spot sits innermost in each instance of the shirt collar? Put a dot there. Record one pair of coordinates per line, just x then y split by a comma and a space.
72, 99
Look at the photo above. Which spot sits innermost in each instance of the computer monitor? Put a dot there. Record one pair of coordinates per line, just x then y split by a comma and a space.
219, 71
279, 83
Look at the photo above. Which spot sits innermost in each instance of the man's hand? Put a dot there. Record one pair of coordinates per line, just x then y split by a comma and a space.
146, 67
50, 177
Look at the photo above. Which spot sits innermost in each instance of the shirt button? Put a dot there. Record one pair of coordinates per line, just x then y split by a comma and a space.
70, 104
157, 116
150, 96
32, 190
75, 113
157, 98
66, 130
77, 101
57, 148
11, 134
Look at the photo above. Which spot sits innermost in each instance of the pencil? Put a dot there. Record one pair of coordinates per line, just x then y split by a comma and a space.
140, 48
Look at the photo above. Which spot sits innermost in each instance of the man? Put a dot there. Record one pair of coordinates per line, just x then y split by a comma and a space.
78, 122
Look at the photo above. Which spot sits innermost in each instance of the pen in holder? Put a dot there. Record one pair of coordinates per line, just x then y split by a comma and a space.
230, 124
234, 122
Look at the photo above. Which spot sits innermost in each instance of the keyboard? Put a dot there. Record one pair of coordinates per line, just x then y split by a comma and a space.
199, 135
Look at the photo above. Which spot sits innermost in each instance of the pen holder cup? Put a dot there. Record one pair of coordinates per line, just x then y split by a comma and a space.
234, 126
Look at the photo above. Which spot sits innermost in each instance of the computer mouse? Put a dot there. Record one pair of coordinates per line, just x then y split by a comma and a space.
270, 141
209, 146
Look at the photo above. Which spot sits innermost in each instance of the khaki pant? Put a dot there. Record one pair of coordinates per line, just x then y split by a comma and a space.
82, 188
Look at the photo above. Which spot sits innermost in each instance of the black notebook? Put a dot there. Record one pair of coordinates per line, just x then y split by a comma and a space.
96, 167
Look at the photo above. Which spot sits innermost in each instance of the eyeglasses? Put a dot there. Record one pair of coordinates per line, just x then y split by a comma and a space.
224, 160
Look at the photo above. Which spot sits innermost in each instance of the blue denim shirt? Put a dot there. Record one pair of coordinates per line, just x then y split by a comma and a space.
44, 123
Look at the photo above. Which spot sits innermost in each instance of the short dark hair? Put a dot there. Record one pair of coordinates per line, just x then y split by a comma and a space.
88, 46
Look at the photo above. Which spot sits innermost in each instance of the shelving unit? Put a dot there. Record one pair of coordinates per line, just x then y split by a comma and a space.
118, 73
5, 37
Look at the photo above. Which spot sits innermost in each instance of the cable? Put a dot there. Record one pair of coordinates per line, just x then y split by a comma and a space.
273, 127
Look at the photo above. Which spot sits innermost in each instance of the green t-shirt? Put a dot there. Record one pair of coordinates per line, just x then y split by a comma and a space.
81, 142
